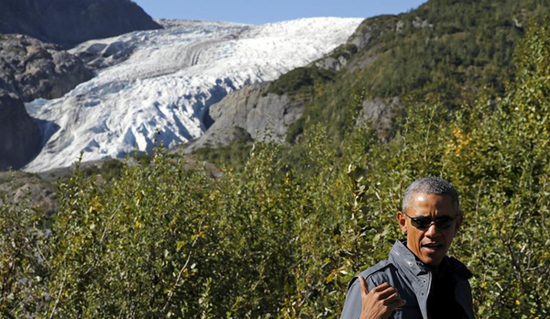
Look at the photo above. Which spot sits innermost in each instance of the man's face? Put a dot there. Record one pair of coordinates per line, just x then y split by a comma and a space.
430, 244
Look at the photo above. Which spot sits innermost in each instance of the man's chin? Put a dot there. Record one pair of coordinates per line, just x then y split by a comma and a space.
432, 257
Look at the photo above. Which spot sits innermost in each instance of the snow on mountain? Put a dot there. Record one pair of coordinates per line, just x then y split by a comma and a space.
167, 80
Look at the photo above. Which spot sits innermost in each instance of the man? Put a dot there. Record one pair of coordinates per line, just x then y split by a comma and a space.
418, 280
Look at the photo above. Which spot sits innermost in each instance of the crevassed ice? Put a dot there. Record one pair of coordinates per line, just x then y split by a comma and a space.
161, 91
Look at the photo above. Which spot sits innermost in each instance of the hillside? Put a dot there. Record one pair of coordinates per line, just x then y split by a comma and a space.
445, 48
32, 69
448, 49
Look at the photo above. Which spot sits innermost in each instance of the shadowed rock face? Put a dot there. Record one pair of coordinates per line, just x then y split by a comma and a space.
32, 69
69, 22
20, 138
250, 112
380, 114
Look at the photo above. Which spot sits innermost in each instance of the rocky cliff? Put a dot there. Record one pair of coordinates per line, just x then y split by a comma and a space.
380, 114
69, 22
20, 137
249, 113
32, 69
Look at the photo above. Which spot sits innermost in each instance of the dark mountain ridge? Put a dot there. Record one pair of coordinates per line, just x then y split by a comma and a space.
69, 22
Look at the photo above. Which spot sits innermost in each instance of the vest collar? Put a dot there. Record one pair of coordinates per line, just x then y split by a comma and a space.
406, 261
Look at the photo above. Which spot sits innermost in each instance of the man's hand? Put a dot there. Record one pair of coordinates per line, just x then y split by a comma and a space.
380, 302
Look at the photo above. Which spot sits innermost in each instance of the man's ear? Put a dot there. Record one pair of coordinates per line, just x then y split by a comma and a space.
458, 222
402, 220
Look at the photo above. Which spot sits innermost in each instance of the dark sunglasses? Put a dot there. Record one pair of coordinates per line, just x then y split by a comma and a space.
424, 222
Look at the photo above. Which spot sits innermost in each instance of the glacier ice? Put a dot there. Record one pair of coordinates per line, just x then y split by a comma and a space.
155, 86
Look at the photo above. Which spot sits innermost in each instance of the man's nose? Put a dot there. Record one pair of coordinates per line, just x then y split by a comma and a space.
432, 230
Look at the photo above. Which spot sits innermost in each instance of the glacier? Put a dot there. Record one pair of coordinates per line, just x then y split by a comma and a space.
155, 86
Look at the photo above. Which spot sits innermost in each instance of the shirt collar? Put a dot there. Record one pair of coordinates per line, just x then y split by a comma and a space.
407, 262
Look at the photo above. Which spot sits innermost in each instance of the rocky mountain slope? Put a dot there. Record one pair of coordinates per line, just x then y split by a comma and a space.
249, 114
30, 69
33, 69
69, 22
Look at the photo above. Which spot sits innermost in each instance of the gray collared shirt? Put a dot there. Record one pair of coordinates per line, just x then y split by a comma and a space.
413, 280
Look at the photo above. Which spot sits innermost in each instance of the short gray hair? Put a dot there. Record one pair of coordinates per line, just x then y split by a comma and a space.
430, 185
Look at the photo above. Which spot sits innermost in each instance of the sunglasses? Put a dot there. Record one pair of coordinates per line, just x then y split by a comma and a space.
424, 222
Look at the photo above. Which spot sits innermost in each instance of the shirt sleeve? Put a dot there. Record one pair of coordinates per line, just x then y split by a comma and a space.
352, 306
